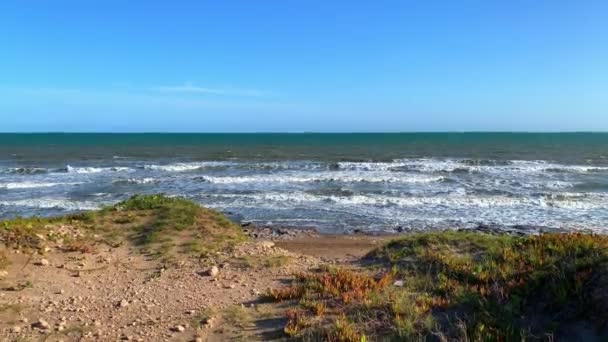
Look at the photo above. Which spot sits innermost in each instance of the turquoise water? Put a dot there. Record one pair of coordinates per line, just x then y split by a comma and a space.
563, 147
334, 182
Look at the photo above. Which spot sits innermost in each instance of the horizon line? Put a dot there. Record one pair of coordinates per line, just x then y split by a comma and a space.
300, 132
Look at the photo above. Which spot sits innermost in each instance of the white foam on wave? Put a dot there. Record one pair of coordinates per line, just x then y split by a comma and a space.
285, 165
568, 201
32, 185
137, 181
87, 169
325, 177
183, 167
452, 165
543, 166
52, 203
25, 170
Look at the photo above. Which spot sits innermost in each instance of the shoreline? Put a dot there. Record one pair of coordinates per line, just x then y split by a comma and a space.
279, 232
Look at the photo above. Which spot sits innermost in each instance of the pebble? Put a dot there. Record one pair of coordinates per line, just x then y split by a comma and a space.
41, 324
16, 329
43, 262
213, 271
179, 328
123, 303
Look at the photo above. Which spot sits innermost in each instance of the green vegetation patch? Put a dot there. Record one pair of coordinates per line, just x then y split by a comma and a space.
158, 224
459, 285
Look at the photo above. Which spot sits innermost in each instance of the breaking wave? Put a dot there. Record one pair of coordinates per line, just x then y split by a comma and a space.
52, 203
31, 185
330, 177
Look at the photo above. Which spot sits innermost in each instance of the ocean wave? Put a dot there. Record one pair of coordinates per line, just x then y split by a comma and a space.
136, 181
52, 203
578, 201
89, 169
184, 167
304, 165
26, 170
469, 165
421, 165
31, 185
331, 177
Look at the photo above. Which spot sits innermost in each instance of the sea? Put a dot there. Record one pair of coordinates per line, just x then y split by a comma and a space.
335, 183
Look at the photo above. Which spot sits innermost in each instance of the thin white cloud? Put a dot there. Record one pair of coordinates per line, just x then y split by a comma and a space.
191, 89
133, 98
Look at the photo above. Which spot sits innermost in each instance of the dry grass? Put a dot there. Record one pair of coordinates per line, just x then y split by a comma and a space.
322, 298
237, 316
4, 261
203, 317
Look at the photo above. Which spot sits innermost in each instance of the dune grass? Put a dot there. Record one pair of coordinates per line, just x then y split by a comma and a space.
157, 224
458, 286
4, 261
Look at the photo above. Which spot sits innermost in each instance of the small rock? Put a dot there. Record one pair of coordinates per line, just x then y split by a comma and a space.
209, 322
398, 283
40, 324
123, 303
43, 262
179, 328
213, 271
16, 329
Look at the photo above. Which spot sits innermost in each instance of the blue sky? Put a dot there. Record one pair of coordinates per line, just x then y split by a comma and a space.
209, 66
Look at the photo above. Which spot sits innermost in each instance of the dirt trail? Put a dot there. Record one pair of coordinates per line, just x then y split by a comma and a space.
120, 294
